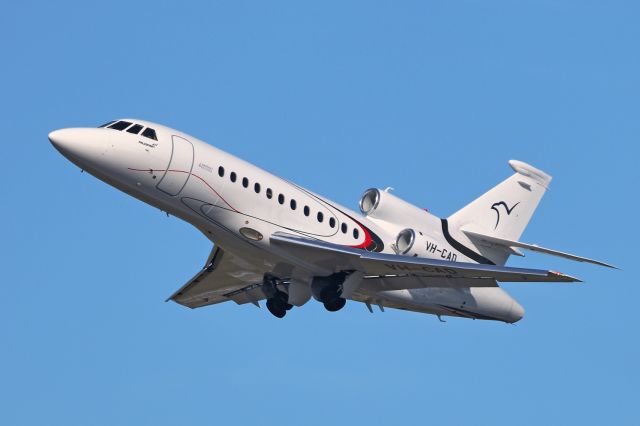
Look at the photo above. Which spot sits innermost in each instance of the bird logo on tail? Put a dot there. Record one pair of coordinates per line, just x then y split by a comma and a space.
508, 209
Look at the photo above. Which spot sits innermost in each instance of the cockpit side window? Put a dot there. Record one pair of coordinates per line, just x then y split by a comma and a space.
135, 129
120, 125
106, 124
150, 133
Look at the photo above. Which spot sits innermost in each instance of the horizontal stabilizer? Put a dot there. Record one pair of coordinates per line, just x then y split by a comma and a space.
510, 245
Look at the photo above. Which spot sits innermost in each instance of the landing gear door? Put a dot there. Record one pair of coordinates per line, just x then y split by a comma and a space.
179, 169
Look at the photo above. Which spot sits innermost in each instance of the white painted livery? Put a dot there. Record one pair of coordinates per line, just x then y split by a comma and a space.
277, 241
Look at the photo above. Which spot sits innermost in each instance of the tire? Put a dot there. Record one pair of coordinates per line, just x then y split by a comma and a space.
284, 299
276, 307
335, 304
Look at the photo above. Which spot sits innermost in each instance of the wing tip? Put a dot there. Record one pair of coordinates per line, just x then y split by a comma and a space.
565, 277
608, 265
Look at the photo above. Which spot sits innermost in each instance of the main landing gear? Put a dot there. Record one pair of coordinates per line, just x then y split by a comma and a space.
277, 300
328, 290
331, 300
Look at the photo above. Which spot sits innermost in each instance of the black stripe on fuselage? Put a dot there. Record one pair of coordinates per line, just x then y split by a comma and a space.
461, 247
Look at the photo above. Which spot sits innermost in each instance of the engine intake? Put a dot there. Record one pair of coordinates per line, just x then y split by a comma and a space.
410, 242
405, 240
383, 205
369, 201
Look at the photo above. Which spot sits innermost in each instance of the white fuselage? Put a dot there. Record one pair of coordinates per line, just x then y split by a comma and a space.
238, 205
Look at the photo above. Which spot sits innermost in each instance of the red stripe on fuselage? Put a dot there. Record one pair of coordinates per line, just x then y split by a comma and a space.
367, 237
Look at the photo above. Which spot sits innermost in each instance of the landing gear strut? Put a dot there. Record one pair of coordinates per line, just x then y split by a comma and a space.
328, 290
277, 300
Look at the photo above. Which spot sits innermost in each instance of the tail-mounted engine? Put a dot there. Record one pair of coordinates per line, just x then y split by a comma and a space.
385, 206
410, 242
399, 217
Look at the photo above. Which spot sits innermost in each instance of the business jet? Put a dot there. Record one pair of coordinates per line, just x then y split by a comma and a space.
274, 240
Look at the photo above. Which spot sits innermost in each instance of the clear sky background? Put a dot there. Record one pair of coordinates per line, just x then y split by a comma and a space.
432, 98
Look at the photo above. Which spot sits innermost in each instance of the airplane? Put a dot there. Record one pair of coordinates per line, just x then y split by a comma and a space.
274, 240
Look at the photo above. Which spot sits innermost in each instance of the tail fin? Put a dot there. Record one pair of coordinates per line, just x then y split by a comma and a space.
503, 211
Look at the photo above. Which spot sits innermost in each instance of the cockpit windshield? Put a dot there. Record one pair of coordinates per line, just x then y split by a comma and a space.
132, 128
150, 133
120, 125
135, 129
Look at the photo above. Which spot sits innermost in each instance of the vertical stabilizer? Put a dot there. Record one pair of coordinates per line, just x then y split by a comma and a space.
504, 211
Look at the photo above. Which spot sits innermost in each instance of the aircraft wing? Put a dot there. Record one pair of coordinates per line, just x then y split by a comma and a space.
225, 277
388, 265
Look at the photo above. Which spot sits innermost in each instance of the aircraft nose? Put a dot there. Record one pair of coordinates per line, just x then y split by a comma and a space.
69, 141
61, 139
516, 312
82, 146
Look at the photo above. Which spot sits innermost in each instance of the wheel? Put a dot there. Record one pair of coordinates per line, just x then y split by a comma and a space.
284, 299
276, 307
335, 304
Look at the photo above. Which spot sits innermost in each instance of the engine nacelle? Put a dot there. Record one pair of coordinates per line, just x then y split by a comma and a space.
410, 242
382, 205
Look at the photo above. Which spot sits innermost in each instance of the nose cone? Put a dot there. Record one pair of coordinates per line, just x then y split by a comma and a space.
65, 140
515, 313
84, 147
58, 139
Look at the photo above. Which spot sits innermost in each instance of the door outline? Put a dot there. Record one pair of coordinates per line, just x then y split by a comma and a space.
190, 153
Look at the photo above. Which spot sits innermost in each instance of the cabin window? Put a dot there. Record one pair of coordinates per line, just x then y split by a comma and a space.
306, 210
293, 204
320, 217
221, 171
269, 193
256, 187
356, 233
332, 222
343, 227
281, 199
135, 129
150, 133
233, 176
245, 182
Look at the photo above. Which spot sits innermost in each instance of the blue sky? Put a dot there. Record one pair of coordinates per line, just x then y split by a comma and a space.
432, 98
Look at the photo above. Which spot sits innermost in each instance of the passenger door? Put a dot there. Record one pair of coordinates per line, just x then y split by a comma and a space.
180, 166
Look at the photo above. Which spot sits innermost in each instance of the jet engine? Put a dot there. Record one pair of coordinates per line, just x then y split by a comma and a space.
410, 242
383, 206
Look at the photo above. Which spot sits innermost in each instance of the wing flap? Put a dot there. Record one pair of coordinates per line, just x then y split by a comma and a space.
225, 277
